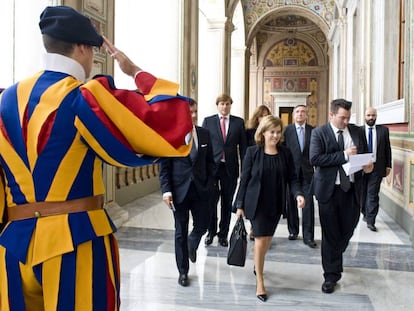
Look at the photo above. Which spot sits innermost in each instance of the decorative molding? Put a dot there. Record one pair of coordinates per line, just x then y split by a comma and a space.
392, 112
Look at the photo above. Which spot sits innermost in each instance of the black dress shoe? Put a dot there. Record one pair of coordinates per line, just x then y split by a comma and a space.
292, 236
310, 243
328, 287
183, 280
223, 242
208, 240
372, 227
262, 297
192, 253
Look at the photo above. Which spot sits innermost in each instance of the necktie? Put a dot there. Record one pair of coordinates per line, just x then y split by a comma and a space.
370, 140
345, 183
193, 152
300, 137
223, 133
223, 128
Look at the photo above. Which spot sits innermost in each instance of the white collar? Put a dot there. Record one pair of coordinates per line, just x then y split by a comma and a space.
221, 116
335, 129
61, 63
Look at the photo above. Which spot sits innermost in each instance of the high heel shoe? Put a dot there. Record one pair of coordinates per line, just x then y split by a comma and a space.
262, 297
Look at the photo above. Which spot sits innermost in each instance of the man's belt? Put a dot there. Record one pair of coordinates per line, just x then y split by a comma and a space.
42, 209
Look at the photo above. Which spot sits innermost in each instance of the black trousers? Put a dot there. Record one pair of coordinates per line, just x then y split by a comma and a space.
308, 214
201, 213
371, 202
339, 217
223, 190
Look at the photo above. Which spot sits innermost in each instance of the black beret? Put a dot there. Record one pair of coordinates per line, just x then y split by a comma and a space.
66, 24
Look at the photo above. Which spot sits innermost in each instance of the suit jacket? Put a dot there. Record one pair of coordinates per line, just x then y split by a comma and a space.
384, 158
250, 183
301, 158
177, 174
325, 155
250, 137
235, 145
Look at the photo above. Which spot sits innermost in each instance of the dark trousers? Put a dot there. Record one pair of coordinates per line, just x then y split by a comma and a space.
308, 214
200, 211
223, 190
371, 203
339, 217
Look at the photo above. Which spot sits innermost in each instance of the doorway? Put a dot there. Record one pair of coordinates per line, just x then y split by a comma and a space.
285, 114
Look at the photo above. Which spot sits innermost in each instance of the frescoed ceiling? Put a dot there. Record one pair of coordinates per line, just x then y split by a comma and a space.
255, 10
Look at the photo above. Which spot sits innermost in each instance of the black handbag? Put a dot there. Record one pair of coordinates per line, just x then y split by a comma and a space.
238, 244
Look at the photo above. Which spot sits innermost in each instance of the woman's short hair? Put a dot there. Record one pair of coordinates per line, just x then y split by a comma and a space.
267, 123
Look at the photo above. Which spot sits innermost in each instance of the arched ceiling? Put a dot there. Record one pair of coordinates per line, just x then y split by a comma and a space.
269, 21
256, 10
290, 28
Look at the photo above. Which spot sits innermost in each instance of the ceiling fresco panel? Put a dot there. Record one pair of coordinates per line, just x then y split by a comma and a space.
254, 10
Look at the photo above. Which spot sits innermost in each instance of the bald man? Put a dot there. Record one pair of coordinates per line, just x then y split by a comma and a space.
378, 138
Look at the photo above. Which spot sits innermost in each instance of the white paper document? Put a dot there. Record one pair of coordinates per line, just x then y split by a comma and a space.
356, 162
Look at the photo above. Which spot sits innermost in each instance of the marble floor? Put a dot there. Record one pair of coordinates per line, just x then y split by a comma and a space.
378, 269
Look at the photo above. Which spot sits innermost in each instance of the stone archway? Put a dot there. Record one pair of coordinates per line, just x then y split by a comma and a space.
289, 53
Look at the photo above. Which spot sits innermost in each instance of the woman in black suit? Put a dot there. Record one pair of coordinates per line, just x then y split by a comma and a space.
267, 170
251, 126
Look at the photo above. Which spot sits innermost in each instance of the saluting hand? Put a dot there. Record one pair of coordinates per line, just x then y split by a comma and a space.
126, 65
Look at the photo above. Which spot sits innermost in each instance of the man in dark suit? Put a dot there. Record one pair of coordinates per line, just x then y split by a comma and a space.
297, 139
186, 184
378, 139
229, 146
338, 195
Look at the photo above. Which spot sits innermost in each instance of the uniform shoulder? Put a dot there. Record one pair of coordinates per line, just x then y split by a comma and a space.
200, 129
310, 126
236, 118
289, 126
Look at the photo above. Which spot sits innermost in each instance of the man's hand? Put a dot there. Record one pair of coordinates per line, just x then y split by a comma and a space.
300, 199
387, 171
368, 168
126, 65
351, 150
169, 201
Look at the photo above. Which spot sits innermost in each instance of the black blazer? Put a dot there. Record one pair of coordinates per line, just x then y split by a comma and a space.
235, 145
250, 183
383, 159
301, 158
176, 174
325, 155
250, 137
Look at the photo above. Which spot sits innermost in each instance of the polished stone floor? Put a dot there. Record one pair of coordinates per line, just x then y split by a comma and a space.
378, 269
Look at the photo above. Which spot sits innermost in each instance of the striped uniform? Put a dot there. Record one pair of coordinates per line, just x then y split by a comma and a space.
56, 133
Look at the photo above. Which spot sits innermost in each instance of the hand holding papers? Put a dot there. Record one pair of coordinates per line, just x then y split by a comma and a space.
356, 162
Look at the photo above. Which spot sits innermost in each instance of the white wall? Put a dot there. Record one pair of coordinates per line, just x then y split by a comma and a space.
149, 33
22, 47
238, 49
212, 21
